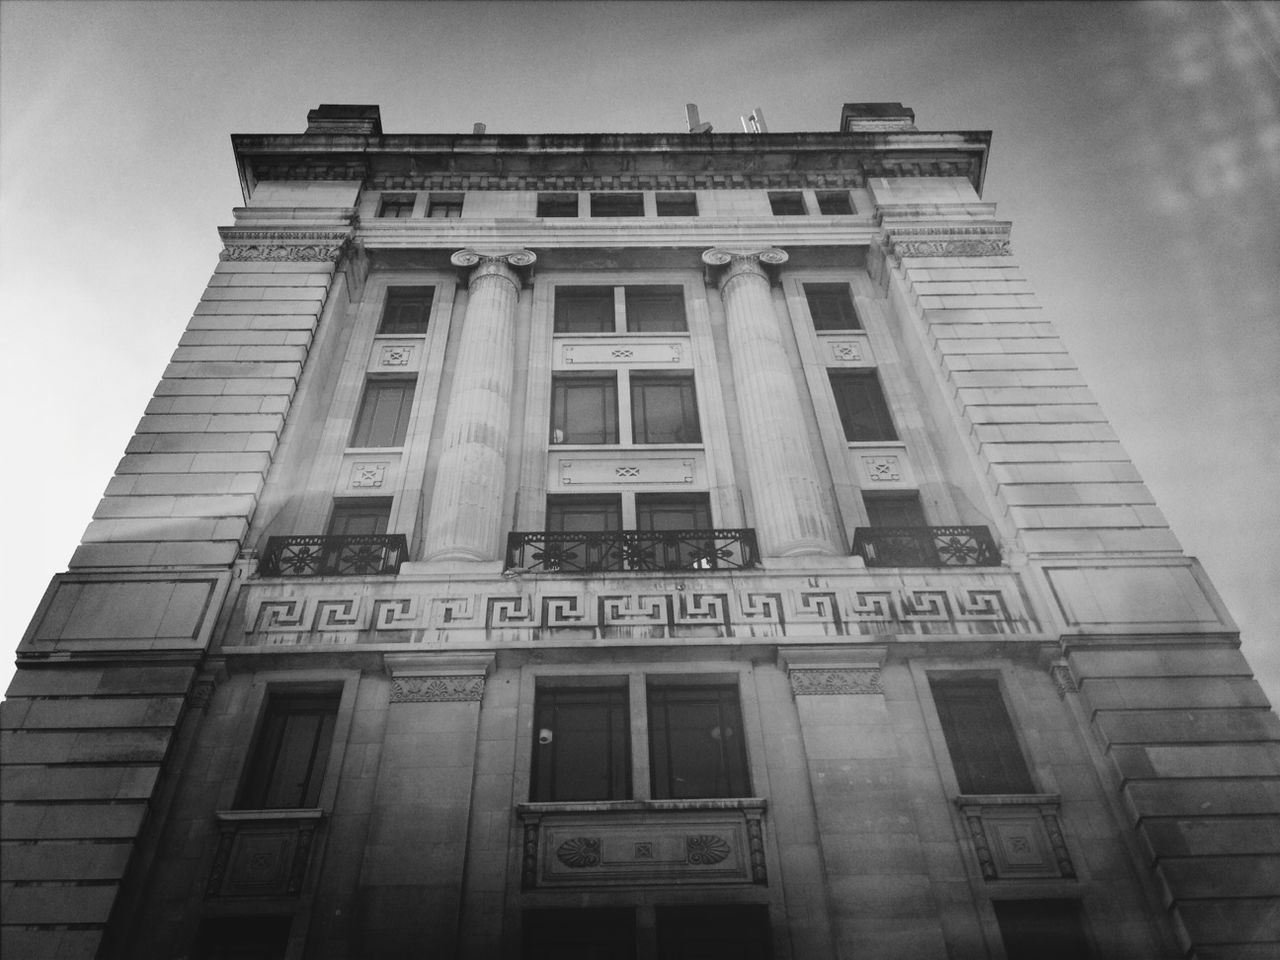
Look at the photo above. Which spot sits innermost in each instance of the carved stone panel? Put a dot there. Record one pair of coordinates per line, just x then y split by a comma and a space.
1017, 837
262, 853
883, 467
368, 475
617, 351
397, 355
847, 349
609, 471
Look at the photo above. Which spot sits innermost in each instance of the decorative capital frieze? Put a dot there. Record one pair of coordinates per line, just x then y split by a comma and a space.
436, 689
853, 680
726, 264
1063, 681
945, 240
514, 266
283, 245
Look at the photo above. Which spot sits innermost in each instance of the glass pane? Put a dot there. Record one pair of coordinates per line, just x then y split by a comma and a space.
663, 410
696, 743
363, 518
656, 511
863, 411
617, 205
884, 511
835, 203
288, 762
789, 203
655, 309
831, 306
677, 204
407, 310
599, 514
383, 420
584, 410
584, 310
1042, 930
980, 737
581, 745
557, 204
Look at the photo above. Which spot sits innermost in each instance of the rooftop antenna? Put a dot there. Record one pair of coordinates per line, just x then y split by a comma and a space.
755, 122
691, 112
477, 129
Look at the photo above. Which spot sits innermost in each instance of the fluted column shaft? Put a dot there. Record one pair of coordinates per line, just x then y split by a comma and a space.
789, 515
466, 503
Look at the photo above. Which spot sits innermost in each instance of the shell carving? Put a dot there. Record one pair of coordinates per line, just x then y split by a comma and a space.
579, 852
706, 849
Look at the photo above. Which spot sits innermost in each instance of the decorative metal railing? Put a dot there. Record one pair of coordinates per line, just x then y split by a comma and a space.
314, 556
926, 547
632, 550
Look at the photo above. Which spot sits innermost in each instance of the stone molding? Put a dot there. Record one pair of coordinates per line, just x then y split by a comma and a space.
283, 245
436, 689
1017, 836
1063, 680
945, 240
854, 680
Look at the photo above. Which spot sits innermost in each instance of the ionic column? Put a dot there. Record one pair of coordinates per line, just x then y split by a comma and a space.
789, 515
466, 504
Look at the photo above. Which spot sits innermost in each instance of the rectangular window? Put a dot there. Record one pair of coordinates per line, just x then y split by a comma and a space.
444, 206
894, 510
655, 309
864, 414
383, 419
286, 768
673, 511
360, 517
1042, 929
396, 206
684, 204
584, 310
242, 938
406, 310
714, 932
581, 744
664, 410
584, 409
834, 203
696, 742
557, 204
980, 736
787, 203
831, 306
591, 933
617, 204
600, 513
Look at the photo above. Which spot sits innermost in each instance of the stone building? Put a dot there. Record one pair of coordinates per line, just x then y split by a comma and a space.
630, 546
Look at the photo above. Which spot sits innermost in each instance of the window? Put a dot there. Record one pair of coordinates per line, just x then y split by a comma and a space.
383, 419
242, 938
663, 410
787, 203
397, 206
286, 768
980, 737
673, 511
831, 306
696, 743
617, 204
834, 202
592, 933
406, 310
584, 310
1042, 929
863, 411
894, 510
713, 932
584, 409
557, 204
677, 204
360, 517
655, 309
584, 514
581, 744
444, 206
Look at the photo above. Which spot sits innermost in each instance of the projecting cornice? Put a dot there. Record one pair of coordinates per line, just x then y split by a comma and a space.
965, 239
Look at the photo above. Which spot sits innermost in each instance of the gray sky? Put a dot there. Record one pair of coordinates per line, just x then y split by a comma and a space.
1136, 150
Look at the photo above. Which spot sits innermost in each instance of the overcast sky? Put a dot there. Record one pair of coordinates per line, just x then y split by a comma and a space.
1136, 150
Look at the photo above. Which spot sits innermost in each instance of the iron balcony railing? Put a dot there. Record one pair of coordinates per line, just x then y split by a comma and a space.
926, 547
632, 550
367, 555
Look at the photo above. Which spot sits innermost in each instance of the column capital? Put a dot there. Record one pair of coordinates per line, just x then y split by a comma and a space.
731, 262
513, 265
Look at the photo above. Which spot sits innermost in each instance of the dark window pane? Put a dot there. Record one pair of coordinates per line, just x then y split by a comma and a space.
584, 410
831, 306
713, 933
835, 202
584, 514
663, 410
445, 206
696, 743
396, 206
557, 204
596, 933
359, 518
1042, 929
863, 411
617, 205
584, 310
884, 510
980, 737
407, 310
242, 938
787, 203
677, 204
287, 766
383, 419
654, 309
581, 744
673, 511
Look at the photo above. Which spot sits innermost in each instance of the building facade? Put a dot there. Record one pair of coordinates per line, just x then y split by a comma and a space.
630, 546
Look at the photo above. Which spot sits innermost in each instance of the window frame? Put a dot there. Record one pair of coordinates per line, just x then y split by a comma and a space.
259, 776
450, 203
558, 199
362, 435
562, 384
884, 430
347, 508
838, 197
688, 403
626, 299
816, 292
662, 768
399, 202
883, 497
1068, 939
684, 199
612, 697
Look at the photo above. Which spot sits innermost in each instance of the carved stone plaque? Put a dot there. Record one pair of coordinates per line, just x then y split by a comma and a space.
577, 353
673, 470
